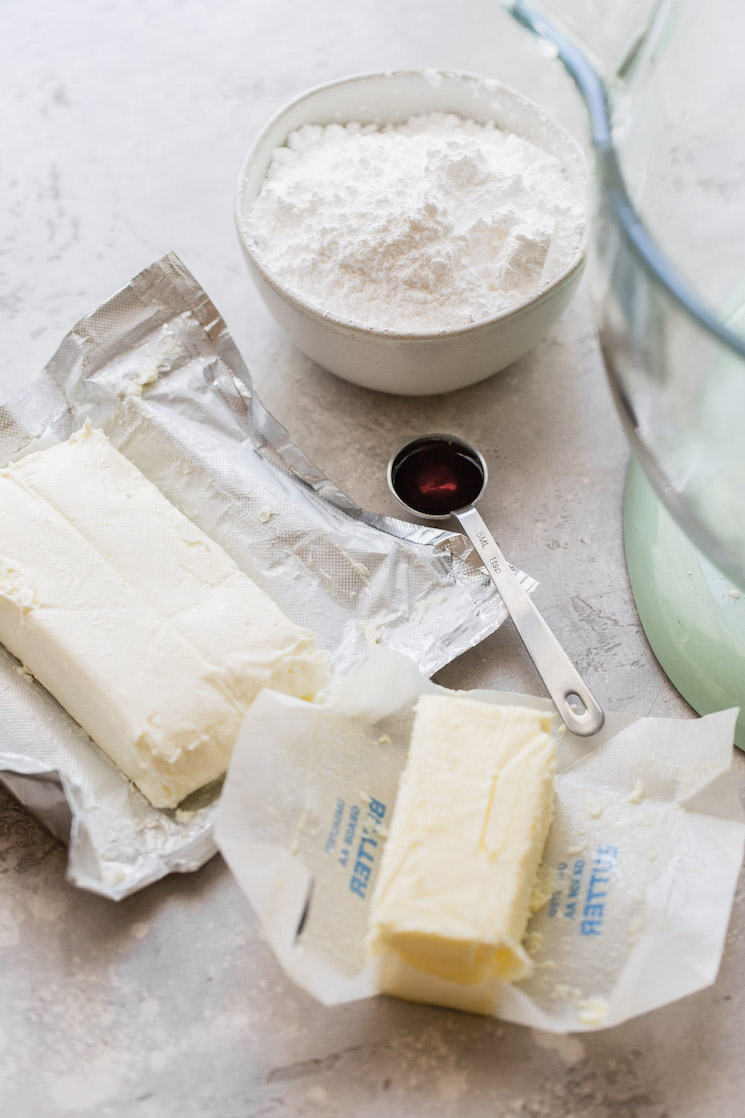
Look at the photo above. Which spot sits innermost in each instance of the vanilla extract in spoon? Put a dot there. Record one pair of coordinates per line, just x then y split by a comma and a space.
438, 476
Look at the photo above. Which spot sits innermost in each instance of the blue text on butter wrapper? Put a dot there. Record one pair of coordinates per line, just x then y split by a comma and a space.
367, 849
593, 912
568, 901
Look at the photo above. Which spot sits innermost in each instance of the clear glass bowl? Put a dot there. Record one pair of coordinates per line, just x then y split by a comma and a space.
665, 89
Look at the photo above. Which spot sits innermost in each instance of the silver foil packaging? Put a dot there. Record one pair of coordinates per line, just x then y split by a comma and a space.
156, 368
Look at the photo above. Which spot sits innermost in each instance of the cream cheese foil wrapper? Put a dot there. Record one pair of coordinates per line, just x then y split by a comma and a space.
156, 368
637, 879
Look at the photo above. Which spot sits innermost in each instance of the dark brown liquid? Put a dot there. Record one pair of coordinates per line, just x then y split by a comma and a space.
436, 477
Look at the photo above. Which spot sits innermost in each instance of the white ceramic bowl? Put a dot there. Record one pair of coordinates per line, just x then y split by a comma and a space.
414, 364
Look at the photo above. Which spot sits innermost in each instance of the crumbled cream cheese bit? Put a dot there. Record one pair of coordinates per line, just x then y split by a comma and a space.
313, 566
371, 628
149, 376
24, 673
370, 632
265, 514
419, 609
384, 739
14, 586
594, 809
358, 568
734, 593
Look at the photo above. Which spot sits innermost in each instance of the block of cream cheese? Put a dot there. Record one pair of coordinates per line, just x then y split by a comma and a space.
474, 806
140, 625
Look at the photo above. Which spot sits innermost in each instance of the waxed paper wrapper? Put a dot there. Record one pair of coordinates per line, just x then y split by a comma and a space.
635, 887
156, 368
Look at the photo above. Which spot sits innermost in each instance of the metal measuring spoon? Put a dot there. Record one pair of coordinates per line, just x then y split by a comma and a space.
438, 476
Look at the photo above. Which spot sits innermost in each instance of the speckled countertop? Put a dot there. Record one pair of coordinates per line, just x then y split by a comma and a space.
123, 132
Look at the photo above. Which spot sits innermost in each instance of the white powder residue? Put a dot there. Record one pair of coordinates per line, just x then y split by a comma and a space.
433, 224
317, 1095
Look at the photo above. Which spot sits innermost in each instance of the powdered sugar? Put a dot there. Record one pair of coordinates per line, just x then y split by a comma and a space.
429, 225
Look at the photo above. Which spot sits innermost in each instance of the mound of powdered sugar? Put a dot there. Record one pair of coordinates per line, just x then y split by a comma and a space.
428, 225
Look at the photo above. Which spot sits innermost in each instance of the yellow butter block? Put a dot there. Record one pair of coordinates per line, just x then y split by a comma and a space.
474, 806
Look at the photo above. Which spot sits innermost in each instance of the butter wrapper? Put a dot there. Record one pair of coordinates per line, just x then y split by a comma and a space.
156, 368
638, 874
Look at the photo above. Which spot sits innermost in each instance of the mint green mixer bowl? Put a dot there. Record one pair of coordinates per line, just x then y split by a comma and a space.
664, 85
692, 614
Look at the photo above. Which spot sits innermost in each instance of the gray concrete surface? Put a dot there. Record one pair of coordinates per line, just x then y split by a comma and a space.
123, 131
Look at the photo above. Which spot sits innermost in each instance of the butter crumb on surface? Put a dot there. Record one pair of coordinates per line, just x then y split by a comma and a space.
638, 792
564, 992
543, 887
534, 943
474, 806
592, 1011
265, 514
634, 930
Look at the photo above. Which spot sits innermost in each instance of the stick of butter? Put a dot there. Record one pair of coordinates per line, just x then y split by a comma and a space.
141, 626
474, 806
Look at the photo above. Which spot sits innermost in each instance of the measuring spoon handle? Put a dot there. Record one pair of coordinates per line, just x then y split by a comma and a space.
559, 674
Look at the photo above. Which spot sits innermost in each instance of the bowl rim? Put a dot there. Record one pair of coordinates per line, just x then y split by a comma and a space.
345, 325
